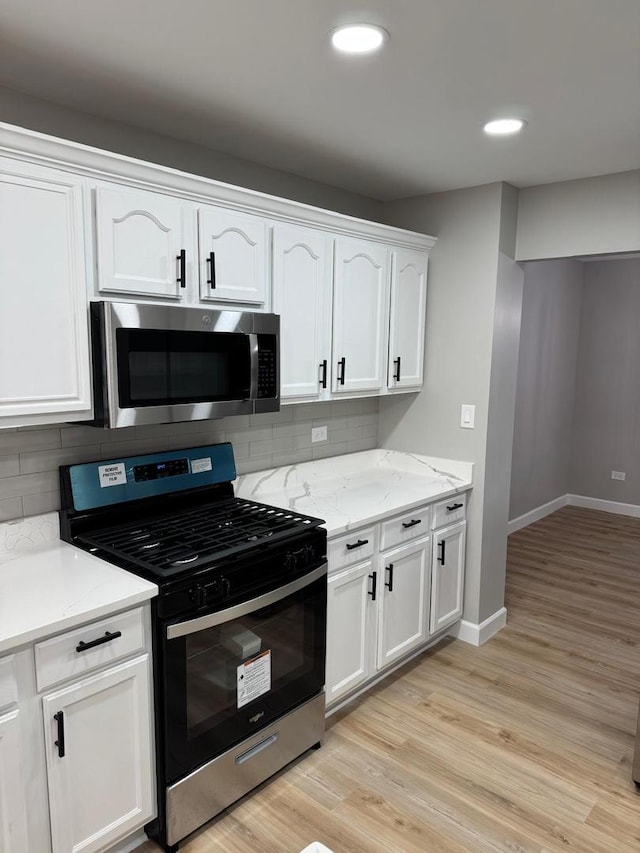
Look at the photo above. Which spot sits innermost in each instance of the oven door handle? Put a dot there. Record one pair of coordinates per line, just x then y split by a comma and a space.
191, 626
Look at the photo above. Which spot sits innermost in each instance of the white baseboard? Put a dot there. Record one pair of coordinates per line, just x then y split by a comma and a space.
604, 506
477, 635
537, 513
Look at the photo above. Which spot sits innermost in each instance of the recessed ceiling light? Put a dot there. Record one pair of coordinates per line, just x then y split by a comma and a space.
504, 126
358, 38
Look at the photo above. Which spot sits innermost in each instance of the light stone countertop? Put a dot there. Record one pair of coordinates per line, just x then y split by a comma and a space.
48, 586
358, 488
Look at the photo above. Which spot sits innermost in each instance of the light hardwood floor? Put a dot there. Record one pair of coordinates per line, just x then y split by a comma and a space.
523, 745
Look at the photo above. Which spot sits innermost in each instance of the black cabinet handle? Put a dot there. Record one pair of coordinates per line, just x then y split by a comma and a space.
389, 583
454, 507
182, 268
441, 547
412, 523
211, 260
59, 718
396, 375
342, 365
83, 647
358, 544
323, 368
374, 583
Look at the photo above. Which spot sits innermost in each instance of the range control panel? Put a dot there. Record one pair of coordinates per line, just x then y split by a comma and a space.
160, 469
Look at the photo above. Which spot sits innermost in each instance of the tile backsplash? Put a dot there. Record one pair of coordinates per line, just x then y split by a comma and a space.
30, 456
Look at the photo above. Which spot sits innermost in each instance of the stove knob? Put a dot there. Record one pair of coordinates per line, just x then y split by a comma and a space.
198, 595
309, 555
225, 584
291, 561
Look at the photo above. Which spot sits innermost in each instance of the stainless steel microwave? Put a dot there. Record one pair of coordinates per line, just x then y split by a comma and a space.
154, 364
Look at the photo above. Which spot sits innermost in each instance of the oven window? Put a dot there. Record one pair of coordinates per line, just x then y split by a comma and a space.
157, 368
222, 683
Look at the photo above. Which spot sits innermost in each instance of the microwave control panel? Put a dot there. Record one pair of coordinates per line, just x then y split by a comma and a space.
267, 366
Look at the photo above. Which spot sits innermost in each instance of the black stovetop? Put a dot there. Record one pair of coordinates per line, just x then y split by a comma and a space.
184, 541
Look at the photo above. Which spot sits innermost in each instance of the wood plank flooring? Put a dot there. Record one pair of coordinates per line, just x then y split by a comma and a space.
523, 745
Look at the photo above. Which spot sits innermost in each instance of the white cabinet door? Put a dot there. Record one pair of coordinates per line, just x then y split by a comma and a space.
44, 348
361, 288
404, 600
302, 278
234, 256
141, 238
101, 789
407, 319
13, 820
447, 576
351, 622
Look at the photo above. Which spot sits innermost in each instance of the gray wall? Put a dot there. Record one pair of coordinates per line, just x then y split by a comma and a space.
468, 295
35, 114
591, 216
606, 425
29, 457
543, 435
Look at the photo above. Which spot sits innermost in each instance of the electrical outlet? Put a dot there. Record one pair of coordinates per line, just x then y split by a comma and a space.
319, 433
618, 475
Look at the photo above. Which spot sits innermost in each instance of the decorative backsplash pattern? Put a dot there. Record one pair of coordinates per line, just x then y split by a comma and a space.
30, 456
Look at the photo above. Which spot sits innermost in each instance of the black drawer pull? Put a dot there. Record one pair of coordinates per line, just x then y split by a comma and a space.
342, 366
396, 375
389, 583
441, 547
374, 582
59, 718
182, 268
83, 647
454, 507
358, 544
323, 368
212, 261
412, 523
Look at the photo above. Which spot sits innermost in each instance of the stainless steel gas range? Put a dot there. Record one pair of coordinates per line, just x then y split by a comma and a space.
239, 623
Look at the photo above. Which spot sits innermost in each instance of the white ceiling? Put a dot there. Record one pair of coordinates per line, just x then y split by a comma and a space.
257, 79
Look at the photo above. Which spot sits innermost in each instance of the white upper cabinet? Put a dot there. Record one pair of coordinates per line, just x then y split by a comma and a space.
302, 280
143, 248
359, 315
407, 319
234, 256
44, 346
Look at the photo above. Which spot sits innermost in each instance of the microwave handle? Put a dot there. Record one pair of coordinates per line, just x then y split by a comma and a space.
192, 626
254, 355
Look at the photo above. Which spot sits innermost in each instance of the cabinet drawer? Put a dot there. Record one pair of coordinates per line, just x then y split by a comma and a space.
351, 548
66, 657
8, 684
405, 527
449, 511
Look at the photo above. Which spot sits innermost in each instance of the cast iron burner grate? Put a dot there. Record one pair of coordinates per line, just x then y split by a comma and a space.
199, 536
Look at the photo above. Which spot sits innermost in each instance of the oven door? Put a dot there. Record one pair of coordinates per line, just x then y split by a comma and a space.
228, 673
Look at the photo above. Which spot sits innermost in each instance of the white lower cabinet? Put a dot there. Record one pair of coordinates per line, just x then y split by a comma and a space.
447, 576
404, 601
13, 820
351, 611
98, 745
394, 601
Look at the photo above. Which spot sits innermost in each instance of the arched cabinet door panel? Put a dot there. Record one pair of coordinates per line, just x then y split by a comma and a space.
407, 319
302, 277
361, 288
142, 244
234, 256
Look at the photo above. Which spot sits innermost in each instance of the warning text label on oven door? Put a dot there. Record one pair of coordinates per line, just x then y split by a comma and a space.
112, 475
254, 678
